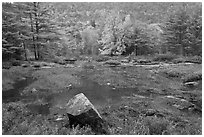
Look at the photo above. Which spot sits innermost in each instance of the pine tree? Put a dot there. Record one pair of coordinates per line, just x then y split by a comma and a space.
195, 32
10, 33
179, 33
42, 28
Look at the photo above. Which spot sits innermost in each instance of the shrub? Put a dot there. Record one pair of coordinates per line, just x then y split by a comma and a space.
16, 63
195, 59
172, 73
130, 127
157, 126
164, 57
101, 58
179, 60
192, 77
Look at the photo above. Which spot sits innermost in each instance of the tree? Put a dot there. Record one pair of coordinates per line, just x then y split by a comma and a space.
195, 32
183, 31
42, 28
12, 47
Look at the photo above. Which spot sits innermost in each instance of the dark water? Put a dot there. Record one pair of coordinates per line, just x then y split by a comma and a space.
13, 94
97, 94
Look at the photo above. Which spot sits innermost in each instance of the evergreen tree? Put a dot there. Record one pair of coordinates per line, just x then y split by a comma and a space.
11, 43
183, 32
42, 28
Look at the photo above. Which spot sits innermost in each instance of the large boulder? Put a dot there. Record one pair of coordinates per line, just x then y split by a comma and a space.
82, 112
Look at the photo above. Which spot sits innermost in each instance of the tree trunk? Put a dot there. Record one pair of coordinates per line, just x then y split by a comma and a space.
25, 51
135, 50
181, 50
33, 38
37, 28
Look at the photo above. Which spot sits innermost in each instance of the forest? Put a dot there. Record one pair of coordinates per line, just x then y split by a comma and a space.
139, 63
52, 30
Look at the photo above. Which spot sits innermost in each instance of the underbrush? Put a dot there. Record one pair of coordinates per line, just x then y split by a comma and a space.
192, 77
128, 118
164, 57
18, 120
101, 58
186, 73
188, 59
122, 120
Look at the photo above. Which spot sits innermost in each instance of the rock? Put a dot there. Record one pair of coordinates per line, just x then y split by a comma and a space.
51, 64
16, 63
69, 66
143, 61
112, 62
150, 112
46, 67
139, 96
102, 58
70, 60
178, 103
36, 65
61, 62
125, 61
43, 63
191, 84
24, 65
106, 52
33, 90
69, 86
82, 112
23, 78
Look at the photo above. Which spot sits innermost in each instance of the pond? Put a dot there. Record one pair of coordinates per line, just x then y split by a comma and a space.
13, 94
99, 95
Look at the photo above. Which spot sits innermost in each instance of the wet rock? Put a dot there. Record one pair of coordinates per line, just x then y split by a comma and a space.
36, 65
25, 65
108, 83
43, 63
82, 112
191, 84
61, 62
46, 67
